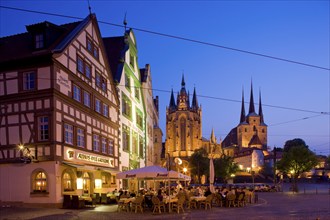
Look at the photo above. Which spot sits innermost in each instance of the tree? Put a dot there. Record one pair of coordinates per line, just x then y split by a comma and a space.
292, 143
199, 163
296, 159
224, 167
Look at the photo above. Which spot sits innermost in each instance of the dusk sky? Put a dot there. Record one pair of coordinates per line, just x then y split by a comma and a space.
295, 97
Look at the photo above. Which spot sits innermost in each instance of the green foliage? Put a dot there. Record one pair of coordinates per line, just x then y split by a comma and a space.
224, 167
199, 163
293, 143
296, 159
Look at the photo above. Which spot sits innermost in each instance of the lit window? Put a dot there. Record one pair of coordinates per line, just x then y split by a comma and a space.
39, 182
87, 99
96, 142
111, 147
98, 105
76, 93
126, 139
126, 106
68, 134
104, 145
141, 147
29, 81
43, 128
80, 137
127, 82
67, 182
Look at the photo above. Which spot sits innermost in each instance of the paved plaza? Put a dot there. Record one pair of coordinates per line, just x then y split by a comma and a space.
271, 205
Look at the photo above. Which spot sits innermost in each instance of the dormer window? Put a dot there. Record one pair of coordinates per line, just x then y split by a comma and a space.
39, 42
92, 48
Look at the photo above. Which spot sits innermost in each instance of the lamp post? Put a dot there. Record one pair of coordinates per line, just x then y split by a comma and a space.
185, 171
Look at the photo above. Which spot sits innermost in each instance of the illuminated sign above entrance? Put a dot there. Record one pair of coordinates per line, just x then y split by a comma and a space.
92, 158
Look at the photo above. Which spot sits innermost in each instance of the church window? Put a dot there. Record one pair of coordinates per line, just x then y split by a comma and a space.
183, 133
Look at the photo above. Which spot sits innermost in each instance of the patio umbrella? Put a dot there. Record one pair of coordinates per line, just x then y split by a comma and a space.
212, 176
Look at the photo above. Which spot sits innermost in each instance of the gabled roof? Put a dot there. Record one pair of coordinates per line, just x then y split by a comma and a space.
230, 139
255, 140
115, 48
17, 47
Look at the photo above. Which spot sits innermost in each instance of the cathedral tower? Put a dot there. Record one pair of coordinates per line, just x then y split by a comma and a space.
183, 124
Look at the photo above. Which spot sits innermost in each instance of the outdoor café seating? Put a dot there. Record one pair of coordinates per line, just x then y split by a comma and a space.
137, 204
179, 204
230, 200
158, 205
207, 202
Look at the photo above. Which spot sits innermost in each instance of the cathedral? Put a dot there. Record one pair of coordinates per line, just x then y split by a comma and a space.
251, 132
183, 124
247, 142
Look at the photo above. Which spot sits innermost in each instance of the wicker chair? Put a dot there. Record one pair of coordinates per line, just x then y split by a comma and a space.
230, 200
179, 204
207, 202
158, 205
192, 203
123, 206
138, 204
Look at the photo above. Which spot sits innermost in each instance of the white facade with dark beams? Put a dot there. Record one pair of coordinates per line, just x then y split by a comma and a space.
59, 120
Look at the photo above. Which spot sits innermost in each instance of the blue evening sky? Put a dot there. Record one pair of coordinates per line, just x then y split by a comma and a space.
293, 30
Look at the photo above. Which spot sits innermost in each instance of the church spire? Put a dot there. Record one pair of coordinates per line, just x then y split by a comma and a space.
251, 109
242, 109
260, 109
194, 100
183, 84
213, 139
172, 101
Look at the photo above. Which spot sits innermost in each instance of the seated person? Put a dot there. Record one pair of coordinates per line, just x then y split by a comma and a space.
159, 195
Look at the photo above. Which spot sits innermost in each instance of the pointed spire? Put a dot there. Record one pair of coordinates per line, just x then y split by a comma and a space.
183, 84
251, 109
212, 139
172, 101
125, 21
260, 109
194, 100
242, 109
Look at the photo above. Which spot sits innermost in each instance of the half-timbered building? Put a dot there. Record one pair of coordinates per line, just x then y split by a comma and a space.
59, 114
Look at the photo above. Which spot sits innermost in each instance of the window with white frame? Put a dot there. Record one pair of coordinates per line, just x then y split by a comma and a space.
39, 181
88, 70
96, 142
104, 145
29, 81
98, 79
80, 65
111, 147
104, 84
43, 125
127, 82
105, 110
76, 93
87, 99
97, 105
39, 41
126, 138
81, 137
68, 133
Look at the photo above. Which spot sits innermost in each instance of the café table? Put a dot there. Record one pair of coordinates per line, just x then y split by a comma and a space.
169, 201
198, 199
